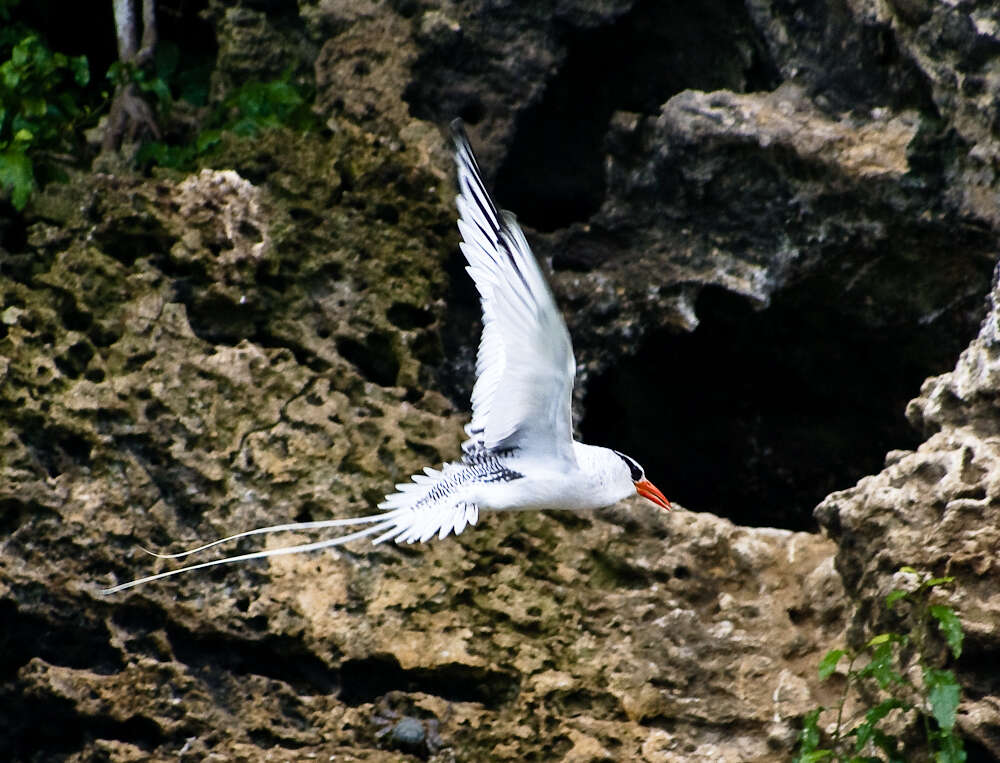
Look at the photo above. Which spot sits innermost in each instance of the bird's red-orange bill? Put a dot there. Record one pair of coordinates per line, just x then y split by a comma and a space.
650, 492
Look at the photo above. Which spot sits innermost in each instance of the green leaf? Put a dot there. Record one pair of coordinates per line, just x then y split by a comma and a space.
80, 69
206, 140
24, 136
117, 74
862, 732
11, 77
814, 756
895, 596
162, 91
809, 736
19, 55
247, 127
829, 663
943, 693
156, 86
34, 106
950, 627
17, 175
950, 748
937, 581
882, 638
883, 708
153, 152
869, 729
880, 667
908, 570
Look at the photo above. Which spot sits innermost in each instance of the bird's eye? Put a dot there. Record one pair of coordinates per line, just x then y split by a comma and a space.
637, 472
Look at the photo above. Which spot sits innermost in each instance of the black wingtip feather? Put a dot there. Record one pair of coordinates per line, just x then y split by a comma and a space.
501, 221
461, 141
459, 137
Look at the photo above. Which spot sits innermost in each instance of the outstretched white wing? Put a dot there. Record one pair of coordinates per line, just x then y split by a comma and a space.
525, 366
521, 399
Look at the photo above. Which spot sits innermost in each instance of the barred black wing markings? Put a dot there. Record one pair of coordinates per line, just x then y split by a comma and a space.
520, 402
407, 518
432, 502
485, 471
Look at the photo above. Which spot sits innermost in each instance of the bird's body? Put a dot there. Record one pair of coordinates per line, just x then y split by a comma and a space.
520, 454
512, 482
590, 484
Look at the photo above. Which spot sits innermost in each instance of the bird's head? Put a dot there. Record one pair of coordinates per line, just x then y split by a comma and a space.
643, 486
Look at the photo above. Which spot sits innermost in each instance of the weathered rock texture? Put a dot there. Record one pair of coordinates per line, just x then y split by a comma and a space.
768, 223
940, 506
738, 157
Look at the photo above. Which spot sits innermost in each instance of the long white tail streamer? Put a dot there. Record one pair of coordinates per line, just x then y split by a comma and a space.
292, 526
386, 524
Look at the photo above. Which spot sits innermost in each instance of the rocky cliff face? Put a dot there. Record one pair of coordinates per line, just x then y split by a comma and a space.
939, 506
766, 223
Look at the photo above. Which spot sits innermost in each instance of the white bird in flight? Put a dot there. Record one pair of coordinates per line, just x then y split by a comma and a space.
520, 453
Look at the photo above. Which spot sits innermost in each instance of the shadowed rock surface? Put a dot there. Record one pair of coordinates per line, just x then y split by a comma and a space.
767, 226
941, 508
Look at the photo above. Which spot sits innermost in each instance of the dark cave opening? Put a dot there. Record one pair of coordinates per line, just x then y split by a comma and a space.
553, 174
758, 415
365, 680
46, 727
76, 28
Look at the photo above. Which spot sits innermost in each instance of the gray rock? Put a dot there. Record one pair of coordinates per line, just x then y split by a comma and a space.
801, 194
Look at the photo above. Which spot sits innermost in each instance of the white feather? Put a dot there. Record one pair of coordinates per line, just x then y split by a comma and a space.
520, 402
525, 365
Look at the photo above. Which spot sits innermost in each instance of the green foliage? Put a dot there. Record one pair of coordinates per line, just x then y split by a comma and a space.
265, 104
943, 693
882, 663
40, 105
809, 739
888, 659
251, 108
165, 80
829, 663
45, 102
950, 627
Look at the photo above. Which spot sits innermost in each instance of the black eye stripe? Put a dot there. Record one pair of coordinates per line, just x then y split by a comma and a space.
637, 473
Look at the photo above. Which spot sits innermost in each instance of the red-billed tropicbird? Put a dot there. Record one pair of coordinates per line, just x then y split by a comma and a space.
520, 453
